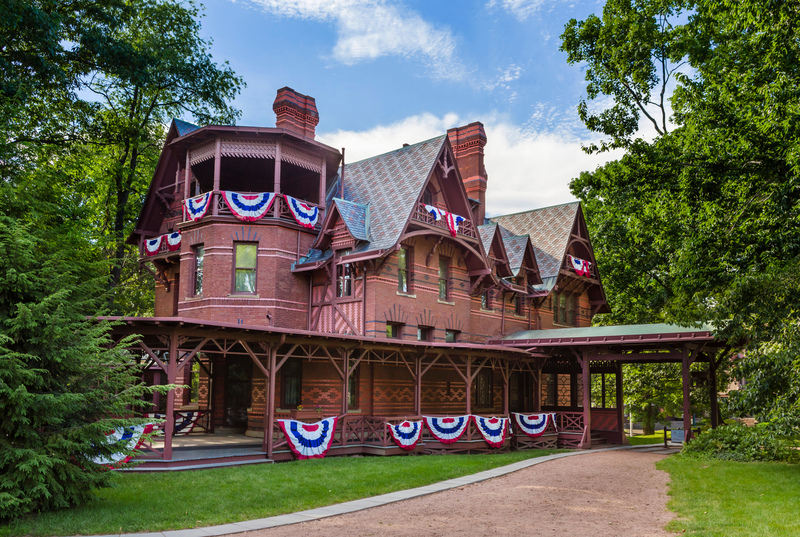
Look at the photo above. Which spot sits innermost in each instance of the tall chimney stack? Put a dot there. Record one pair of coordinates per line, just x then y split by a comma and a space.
468, 143
296, 112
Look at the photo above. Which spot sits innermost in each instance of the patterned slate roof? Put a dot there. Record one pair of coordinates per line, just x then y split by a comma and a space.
515, 249
486, 233
356, 217
184, 127
549, 229
390, 185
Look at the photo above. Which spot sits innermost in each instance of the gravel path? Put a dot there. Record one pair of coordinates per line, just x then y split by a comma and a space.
608, 493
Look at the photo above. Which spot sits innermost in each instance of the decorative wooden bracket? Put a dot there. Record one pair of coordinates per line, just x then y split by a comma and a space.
433, 250
158, 274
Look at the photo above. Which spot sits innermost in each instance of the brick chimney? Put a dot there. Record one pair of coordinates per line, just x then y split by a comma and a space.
296, 112
468, 142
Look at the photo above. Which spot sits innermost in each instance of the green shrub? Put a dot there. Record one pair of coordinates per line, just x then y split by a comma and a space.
737, 442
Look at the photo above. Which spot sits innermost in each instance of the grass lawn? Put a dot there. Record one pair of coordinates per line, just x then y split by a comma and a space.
642, 439
723, 498
179, 500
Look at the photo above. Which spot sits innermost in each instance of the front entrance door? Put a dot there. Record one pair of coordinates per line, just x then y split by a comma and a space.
237, 391
520, 391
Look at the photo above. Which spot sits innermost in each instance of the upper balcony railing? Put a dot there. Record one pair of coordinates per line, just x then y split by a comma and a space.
279, 211
466, 227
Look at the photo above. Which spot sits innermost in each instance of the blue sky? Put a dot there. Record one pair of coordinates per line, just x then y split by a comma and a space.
388, 72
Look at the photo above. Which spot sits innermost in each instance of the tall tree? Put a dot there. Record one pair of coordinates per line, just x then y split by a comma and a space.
704, 218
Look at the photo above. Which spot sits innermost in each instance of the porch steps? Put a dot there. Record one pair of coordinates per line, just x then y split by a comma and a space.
184, 462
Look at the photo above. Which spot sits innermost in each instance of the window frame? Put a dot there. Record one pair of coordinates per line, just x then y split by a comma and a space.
486, 299
396, 330
295, 362
198, 263
236, 268
353, 386
444, 279
344, 274
451, 336
484, 388
425, 333
405, 253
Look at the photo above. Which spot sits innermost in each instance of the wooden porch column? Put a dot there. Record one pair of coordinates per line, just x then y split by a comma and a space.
217, 173
418, 385
586, 443
620, 405
322, 185
276, 211
172, 373
505, 373
187, 178
712, 370
269, 406
687, 406
345, 379
468, 381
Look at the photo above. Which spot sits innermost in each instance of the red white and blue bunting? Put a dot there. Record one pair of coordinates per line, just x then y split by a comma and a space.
533, 424
185, 422
126, 440
248, 207
303, 214
447, 430
196, 208
152, 246
581, 266
407, 434
493, 430
453, 220
309, 440
173, 241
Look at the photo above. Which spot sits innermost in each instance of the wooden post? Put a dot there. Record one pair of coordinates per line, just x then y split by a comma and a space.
172, 373
712, 370
269, 408
277, 182
469, 384
187, 191
687, 406
620, 405
504, 372
537, 387
217, 173
418, 385
345, 379
586, 443
322, 183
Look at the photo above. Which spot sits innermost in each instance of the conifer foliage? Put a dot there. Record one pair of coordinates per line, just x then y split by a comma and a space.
63, 385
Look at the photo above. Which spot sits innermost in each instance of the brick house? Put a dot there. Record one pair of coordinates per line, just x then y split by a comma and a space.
375, 290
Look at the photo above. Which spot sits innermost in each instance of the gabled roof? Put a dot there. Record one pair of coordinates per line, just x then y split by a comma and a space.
516, 248
355, 216
549, 229
493, 245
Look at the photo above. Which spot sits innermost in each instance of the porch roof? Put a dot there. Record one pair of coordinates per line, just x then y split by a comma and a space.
255, 332
608, 335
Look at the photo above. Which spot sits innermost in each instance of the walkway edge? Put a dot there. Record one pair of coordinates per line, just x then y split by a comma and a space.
364, 503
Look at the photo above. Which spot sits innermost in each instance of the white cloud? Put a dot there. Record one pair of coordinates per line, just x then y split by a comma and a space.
504, 77
369, 29
520, 9
527, 169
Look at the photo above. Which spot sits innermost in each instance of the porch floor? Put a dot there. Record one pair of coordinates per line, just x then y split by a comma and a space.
196, 451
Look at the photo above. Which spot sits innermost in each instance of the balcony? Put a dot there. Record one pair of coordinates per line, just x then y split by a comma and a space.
466, 228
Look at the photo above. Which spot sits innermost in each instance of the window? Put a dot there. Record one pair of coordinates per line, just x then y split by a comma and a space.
424, 333
405, 260
486, 299
245, 270
394, 330
483, 389
451, 336
564, 309
344, 278
428, 197
548, 389
604, 390
291, 373
352, 390
199, 256
444, 278
518, 305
